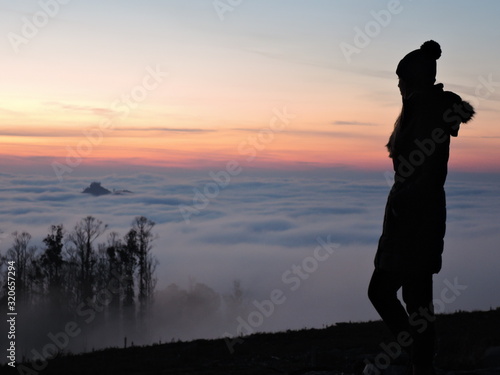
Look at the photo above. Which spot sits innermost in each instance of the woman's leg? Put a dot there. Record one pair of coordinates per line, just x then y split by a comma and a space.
382, 292
417, 295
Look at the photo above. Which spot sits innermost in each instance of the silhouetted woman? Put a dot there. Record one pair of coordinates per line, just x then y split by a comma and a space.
410, 248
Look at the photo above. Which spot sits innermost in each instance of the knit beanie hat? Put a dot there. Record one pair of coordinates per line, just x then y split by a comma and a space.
418, 68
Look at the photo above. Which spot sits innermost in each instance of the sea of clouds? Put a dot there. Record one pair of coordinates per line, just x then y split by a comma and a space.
304, 241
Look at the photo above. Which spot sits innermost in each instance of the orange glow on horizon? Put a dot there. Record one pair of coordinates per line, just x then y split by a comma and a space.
194, 151
309, 139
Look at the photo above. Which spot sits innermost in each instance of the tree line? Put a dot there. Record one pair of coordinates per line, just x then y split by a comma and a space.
82, 266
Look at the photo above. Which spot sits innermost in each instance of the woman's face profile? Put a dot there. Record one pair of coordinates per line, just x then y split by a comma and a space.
402, 87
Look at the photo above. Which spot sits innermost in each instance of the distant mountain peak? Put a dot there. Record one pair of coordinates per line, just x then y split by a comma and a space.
96, 189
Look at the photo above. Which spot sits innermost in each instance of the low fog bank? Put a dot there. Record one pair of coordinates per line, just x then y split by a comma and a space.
262, 253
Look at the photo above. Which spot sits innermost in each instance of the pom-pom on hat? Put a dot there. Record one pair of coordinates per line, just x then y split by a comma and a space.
418, 68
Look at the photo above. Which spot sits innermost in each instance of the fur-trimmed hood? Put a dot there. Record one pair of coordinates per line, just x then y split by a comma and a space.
433, 108
456, 110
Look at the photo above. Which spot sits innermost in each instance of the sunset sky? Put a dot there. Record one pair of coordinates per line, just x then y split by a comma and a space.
197, 83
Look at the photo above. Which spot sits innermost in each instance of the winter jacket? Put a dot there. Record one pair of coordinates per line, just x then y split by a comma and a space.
415, 214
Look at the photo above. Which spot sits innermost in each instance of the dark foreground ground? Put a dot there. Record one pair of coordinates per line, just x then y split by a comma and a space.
469, 343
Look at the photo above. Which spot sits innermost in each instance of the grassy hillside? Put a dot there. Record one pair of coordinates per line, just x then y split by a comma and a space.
464, 338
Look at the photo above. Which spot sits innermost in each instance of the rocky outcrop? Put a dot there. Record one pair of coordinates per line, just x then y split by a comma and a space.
96, 189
